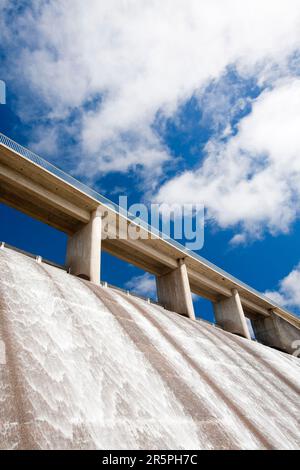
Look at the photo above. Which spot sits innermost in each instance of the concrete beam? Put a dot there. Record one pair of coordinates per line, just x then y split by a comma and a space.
213, 297
276, 332
254, 307
174, 293
120, 250
141, 247
34, 190
230, 316
292, 319
83, 257
204, 282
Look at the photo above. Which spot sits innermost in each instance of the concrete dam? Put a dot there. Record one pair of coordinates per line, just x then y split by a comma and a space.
84, 366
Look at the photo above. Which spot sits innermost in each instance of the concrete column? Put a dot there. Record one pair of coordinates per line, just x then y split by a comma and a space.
84, 249
174, 293
230, 316
276, 332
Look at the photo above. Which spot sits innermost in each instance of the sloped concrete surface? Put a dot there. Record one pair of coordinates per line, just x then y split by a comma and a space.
87, 367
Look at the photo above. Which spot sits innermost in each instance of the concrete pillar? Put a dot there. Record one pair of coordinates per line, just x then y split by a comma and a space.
84, 249
174, 293
276, 332
230, 316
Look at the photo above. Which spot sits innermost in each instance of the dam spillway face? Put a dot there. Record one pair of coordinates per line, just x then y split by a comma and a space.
87, 367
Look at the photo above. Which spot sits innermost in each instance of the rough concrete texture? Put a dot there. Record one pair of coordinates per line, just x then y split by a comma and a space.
88, 367
84, 249
173, 291
229, 315
277, 333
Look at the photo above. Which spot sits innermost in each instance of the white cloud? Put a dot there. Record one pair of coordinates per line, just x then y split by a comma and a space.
140, 57
238, 239
288, 294
253, 179
143, 285
45, 141
222, 100
277, 297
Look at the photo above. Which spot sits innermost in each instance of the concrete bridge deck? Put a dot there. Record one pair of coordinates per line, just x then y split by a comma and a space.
39, 189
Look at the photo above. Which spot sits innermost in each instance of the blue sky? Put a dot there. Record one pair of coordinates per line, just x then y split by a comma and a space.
181, 102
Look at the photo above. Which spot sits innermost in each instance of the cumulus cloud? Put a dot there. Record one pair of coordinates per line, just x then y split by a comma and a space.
288, 293
238, 239
140, 57
143, 285
253, 178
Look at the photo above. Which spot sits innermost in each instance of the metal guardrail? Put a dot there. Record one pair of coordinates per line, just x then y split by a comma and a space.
33, 157
31, 255
105, 284
64, 268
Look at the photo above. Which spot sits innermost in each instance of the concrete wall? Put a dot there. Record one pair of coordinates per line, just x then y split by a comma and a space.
276, 332
84, 249
174, 293
230, 316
